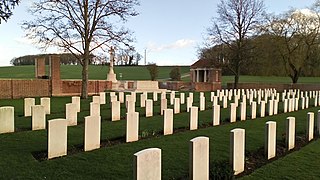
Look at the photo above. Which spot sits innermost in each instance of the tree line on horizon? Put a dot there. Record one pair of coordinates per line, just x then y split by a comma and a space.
245, 40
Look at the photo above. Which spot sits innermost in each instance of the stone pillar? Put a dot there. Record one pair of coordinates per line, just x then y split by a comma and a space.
199, 158
270, 139
38, 117
197, 75
163, 105
253, 110
310, 126
71, 114
290, 132
237, 150
6, 119
243, 108
76, 101
111, 75
55, 74
205, 76
233, 112
115, 111
28, 102
40, 67
57, 138
132, 127
176, 105
168, 122
147, 164
45, 102
193, 118
92, 131
216, 115
149, 108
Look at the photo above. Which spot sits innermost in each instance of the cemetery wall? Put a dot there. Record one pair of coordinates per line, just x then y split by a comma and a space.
13, 89
187, 86
278, 87
24, 88
175, 85
94, 86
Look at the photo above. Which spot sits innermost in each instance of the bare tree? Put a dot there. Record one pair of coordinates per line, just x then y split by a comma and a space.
237, 20
80, 27
6, 7
296, 35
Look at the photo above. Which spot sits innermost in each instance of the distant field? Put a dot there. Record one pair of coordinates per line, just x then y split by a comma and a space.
138, 73
95, 72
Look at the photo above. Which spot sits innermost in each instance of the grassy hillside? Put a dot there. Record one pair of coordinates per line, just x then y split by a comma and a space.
95, 72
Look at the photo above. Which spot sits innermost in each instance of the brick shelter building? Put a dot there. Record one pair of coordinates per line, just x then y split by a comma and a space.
204, 76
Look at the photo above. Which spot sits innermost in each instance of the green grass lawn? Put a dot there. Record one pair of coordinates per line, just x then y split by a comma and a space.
95, 72
115, 159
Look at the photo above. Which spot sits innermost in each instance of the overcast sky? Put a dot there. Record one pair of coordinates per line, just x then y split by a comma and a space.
170, 30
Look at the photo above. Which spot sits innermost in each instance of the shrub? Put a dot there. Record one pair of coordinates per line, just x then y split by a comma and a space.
175, 74
153, 70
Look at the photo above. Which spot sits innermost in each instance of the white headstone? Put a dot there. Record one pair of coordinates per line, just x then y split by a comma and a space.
45, 101
132, 127
253, 110
168, 122
71, 114
290, 132
92, 131
176, 105
270, 139
102, 97
147, 164
57, 138
149, 107
38, 117
163, 105
28, 102
193, 118
237, 150
233, 112
6, 119
76, 100
94, 109
199, 158
310, 126
216, 115
115, 111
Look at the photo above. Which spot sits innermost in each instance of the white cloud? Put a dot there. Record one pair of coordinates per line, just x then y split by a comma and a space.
179, 44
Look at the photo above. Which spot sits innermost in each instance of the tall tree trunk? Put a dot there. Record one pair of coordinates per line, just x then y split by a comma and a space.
84, 87
236, 81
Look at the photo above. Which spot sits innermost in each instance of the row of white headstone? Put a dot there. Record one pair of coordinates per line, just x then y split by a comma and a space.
147, 162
